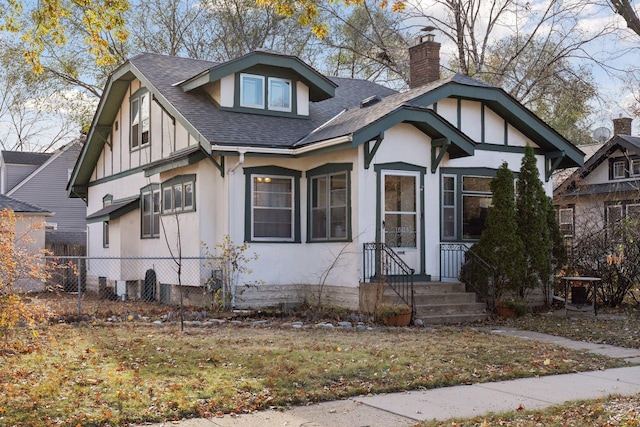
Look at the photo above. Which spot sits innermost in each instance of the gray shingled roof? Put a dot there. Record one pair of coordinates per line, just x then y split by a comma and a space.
234, 128
17, 206
25, 157
356, 117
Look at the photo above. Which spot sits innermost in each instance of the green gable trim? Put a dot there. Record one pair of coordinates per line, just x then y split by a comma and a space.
274, 171
320, 87
509, 149
425, 120
116, 90
401, 166
186, 157
512, 112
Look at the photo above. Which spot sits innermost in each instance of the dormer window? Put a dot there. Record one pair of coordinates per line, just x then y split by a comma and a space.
279, 94
251, 91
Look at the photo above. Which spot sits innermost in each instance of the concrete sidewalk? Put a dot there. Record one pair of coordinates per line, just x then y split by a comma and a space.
409, 408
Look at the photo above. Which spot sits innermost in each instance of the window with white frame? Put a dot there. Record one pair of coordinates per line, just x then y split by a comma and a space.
448, 207
635, 167
279, 94
140, 123
150, 211
178, 194
329, 199
251, 91
465, 201
272, 207
565, 220
618, 169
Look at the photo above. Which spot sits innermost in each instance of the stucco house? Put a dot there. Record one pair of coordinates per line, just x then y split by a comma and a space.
41, 179
303, 167
606, 189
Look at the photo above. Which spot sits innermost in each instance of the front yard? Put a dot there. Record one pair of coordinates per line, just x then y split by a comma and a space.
113, 372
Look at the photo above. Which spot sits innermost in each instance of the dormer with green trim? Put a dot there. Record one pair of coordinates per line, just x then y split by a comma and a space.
263, 83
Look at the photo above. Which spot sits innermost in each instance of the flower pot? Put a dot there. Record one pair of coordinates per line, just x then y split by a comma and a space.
505, 311
398, 320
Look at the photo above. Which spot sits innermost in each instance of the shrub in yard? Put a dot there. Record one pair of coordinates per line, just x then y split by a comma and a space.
18, 262
499, 245
611, 254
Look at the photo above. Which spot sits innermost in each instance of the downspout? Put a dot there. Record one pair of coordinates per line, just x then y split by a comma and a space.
230, 193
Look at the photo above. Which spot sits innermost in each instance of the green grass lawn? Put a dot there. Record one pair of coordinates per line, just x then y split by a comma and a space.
111, 375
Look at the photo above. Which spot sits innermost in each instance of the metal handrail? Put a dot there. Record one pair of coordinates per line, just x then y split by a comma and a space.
381, 264
458, 261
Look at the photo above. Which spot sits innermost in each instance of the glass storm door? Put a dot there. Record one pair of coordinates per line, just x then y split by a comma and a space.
400, 215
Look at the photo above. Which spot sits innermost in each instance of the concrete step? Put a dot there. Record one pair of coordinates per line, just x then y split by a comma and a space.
446, 309
437, 287
452, 318
446, 298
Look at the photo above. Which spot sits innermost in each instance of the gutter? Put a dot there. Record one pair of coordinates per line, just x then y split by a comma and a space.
283, 151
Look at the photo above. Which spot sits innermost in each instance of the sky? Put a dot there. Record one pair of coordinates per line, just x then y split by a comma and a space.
615, 52
618, 51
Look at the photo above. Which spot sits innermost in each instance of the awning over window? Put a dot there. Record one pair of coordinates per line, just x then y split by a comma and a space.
114, 210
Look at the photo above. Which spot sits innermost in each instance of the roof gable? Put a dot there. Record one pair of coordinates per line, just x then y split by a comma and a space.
630, 144
320, 87
517, 115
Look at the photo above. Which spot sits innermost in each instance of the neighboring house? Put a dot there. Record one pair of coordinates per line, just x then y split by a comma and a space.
30, 234
41, 179
605, 190
304, 167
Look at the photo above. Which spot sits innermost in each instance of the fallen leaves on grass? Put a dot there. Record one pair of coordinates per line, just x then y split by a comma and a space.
117, 374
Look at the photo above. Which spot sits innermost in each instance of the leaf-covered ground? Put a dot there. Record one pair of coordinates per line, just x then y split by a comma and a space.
115, 374
620, 329
612, 412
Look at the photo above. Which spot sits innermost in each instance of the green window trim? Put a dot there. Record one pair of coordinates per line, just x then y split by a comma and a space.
183, 186
460, 193
140, 119
278, 173
105, 234
150, 211
107, 200
328, 171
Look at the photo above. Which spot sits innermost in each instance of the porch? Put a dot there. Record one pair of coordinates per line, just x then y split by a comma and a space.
387, 279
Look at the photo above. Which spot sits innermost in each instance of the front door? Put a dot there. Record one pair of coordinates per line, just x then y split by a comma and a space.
400, 215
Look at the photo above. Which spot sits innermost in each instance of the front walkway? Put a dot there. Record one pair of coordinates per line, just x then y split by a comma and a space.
406, 409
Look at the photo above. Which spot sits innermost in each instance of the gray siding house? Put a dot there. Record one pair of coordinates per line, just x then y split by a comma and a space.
40, 179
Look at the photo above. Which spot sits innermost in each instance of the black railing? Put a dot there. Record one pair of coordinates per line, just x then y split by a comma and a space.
459, 262
382, 265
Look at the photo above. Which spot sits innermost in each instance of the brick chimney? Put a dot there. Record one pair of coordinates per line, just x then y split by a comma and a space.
622, 126
424, 60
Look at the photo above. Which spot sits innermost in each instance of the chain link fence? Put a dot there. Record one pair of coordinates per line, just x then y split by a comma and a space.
188, 281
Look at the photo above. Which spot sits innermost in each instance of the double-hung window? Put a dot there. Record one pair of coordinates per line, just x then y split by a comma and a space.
150, 211
178, 194
635, 167
140, 110
618, 169
329, 197
448, 207
273, 206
